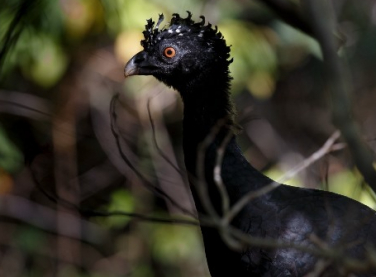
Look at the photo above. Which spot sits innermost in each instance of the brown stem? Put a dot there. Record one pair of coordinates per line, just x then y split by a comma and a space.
338, 79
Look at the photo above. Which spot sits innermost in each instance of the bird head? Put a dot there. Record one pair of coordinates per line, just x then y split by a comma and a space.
180, 53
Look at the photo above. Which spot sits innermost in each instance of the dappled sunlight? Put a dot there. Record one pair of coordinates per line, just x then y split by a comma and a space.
92, 173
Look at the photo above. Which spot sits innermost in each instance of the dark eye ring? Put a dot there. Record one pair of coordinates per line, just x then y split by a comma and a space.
169, 52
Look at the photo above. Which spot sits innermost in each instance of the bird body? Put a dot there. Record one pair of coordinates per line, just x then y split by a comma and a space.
193, 58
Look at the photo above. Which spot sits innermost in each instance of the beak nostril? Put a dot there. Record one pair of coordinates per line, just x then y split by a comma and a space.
140, 58
139, 65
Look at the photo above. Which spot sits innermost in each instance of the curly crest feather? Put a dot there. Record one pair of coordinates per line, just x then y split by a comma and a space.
185, 27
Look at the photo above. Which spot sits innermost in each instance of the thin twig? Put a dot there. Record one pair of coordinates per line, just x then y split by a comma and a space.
144, 217
201, 184
239, 205
25, 107
218, 172
146, 182
45, 218
329, 146
160, 152
96, 213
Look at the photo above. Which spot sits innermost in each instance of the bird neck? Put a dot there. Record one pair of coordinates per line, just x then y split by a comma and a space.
208, 113
206, 104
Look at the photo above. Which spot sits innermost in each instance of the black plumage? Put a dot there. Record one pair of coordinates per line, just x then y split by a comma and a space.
193, 58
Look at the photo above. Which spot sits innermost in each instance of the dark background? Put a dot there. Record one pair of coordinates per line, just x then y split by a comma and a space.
68, 157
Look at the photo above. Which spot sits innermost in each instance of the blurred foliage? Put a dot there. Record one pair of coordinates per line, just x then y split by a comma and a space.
11, 159
120, 200
44, 61
67, 52
351, 184
255, 55
29, 240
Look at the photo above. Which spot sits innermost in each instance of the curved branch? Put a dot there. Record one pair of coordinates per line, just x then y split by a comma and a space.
157, 191
337, 75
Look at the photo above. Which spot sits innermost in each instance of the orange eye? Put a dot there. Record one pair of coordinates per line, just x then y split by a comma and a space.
169, 52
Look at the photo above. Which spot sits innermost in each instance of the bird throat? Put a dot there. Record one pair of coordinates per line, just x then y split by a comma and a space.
208, 112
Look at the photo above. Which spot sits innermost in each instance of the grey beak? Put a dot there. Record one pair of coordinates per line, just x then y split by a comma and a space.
131, 68
138, 65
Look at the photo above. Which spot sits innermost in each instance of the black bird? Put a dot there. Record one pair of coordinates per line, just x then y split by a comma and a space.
193, 58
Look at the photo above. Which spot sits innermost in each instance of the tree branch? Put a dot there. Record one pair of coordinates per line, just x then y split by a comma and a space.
338, 79
290, 13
